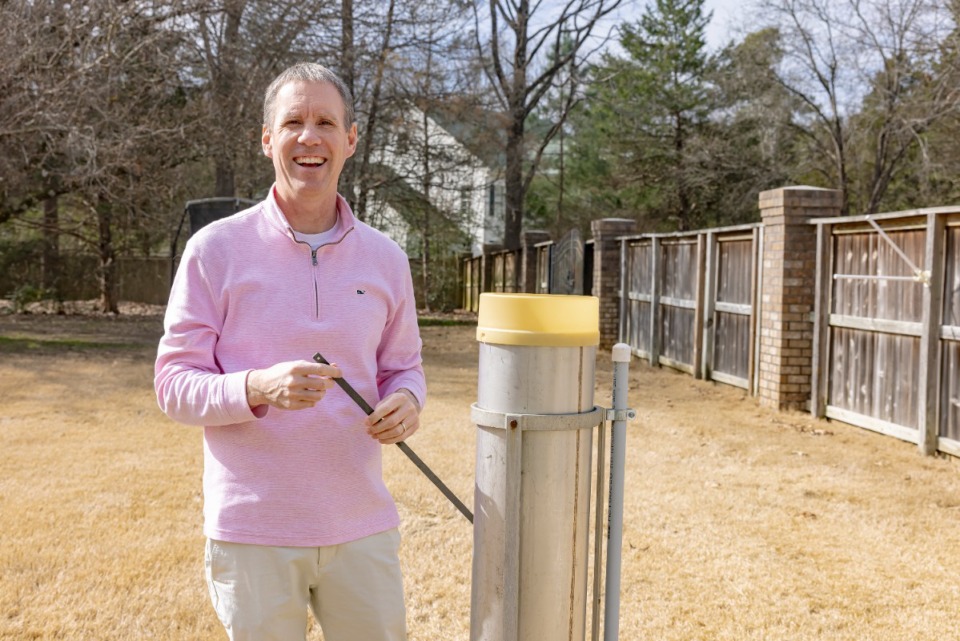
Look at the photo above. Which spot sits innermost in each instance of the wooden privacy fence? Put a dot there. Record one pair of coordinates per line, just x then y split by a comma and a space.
688, 301
855, 319
505, 271
523, 270
142, 279
494, 272
887, 325
472, 283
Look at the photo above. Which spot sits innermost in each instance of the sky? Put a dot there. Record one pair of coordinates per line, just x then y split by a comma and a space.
725, 20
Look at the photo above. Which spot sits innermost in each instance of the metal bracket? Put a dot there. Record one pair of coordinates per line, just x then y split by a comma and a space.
548, 422
610, 414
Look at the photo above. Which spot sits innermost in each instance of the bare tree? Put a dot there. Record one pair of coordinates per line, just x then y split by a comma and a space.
437, 161
523, 45
96, 122
356, 179
239, 47
874, 58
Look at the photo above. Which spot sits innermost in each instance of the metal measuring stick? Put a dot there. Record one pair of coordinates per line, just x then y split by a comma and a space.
365, 406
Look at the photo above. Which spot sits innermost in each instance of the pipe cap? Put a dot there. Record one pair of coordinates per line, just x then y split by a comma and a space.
541, 320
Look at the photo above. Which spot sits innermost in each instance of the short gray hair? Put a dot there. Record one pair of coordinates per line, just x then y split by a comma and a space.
307, 72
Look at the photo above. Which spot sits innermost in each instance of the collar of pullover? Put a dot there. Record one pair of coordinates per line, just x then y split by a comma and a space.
278, 220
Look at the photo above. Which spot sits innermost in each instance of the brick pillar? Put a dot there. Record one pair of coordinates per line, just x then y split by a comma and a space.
787, 291
606, 272
528, 258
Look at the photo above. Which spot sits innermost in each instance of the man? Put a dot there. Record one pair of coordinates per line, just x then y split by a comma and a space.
296, 512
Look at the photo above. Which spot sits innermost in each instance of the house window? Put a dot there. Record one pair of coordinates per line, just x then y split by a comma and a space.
495, 205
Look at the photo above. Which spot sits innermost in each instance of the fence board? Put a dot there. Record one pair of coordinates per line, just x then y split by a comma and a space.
731, 351
949, 388
678, 301
689, 301
950, 395
867, 254
876, 375
951, 293
875, 329
733, 309
736, 262
505, 273
639, 290
471, 283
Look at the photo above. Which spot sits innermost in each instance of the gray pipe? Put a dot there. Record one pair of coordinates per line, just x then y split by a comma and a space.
618, 447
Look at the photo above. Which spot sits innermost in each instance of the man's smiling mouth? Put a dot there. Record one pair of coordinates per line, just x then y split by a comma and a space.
310, 161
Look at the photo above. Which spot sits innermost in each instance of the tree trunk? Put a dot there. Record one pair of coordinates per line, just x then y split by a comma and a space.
225, 88
842, 176
513, 218
560, 177
348, 61
425, 227
50, 268
107, 274
373, 117
226, 177
683, 197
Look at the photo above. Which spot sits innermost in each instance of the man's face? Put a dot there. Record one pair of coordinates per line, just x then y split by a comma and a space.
308, 141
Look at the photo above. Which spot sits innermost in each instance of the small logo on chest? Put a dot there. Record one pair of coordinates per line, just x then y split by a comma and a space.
361, 292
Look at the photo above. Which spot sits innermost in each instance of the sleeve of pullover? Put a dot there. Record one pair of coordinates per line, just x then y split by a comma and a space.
399, 363
190, 386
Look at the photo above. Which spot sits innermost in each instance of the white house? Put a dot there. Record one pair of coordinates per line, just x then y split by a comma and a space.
431, 162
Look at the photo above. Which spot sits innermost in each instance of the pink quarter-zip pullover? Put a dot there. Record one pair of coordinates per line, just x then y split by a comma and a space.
248, 295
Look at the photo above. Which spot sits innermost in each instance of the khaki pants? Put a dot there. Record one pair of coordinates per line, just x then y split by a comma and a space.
355, 590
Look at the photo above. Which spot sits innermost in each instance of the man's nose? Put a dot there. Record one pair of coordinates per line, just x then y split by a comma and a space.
310, 135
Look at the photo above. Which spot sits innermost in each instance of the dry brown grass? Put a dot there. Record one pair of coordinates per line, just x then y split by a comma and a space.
741, 523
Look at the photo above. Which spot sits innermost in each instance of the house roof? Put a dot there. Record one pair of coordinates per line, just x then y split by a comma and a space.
480, 131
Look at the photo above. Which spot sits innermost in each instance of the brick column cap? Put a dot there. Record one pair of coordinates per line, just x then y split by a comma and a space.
533, 236
813, 198
619, 226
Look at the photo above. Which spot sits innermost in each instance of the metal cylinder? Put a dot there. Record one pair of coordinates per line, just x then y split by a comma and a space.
532, 494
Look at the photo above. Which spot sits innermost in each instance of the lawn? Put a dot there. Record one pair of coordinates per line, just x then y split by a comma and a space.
741, 523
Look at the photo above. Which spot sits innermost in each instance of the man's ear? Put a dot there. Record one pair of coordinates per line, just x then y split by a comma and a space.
352, 137
266, 142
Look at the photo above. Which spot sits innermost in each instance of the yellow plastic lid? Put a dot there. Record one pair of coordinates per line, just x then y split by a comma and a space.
547, 320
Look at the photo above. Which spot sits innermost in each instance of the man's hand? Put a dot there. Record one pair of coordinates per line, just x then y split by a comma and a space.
394, 418
294, 385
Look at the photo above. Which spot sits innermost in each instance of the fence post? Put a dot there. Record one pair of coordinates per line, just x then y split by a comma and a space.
709, 305
606, 272
528, 259
787, 292
821, 321
930, 382
656, 287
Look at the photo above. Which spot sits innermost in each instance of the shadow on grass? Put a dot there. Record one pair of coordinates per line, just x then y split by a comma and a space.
444, 322
16, 345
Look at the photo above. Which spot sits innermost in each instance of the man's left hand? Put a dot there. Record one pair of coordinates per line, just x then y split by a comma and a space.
394, 419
